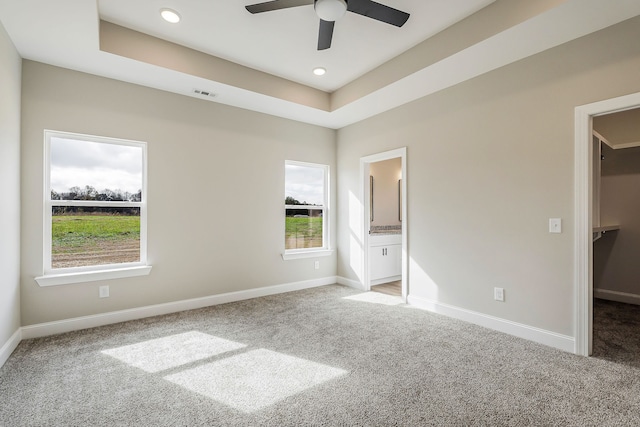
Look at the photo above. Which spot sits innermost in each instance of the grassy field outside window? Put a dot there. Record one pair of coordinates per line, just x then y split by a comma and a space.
80, 240
303, 232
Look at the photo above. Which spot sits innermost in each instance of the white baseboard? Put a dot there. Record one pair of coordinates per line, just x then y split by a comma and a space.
607, 294
351, 283
9, 346
77, 323
552, 339
385, 280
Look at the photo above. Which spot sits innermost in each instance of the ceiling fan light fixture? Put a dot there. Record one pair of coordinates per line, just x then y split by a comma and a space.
319, 71
170, 15
330, 10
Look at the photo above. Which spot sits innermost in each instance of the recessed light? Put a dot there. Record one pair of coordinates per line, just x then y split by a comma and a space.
319, 71
170, 15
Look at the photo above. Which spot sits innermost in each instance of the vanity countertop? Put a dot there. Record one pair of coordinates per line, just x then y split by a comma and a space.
381, 230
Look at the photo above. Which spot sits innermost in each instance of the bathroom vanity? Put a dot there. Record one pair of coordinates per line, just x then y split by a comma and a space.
385, 256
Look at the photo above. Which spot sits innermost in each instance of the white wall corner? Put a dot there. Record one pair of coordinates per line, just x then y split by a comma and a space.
10, 346
351, 283
77, 323
541, 336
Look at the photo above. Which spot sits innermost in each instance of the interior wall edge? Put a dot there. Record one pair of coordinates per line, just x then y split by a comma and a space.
351, 283
10, 346
10, 186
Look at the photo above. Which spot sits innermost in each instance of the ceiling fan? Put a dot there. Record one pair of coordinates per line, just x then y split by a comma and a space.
330, 11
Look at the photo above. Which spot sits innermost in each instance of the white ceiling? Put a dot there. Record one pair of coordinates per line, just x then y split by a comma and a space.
65, 33
284, 42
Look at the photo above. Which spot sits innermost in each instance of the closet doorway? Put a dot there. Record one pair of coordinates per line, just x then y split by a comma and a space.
616, 237
584, 212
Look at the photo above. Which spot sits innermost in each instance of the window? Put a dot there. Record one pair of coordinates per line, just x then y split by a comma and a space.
95, 206
306, 207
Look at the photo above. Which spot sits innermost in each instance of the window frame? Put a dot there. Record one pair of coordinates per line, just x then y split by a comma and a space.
325, 250
58, 276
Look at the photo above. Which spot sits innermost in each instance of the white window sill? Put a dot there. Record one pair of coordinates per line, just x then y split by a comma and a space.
306, 254
92, 276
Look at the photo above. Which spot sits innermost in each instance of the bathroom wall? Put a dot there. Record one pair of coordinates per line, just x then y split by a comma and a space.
386, 191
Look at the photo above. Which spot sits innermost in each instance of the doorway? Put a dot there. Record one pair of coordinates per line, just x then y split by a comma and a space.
383, 247
616, 214
584, 218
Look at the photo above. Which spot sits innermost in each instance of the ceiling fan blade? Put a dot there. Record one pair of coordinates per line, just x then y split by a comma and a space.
276, 5
378, 11
325, 34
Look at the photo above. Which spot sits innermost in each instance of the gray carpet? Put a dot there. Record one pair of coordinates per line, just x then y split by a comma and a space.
324, 357
616, 332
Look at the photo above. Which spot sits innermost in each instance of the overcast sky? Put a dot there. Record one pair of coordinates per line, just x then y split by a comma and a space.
305, 184
80, 163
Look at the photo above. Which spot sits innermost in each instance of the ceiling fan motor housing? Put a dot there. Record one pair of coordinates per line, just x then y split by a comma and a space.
330, 10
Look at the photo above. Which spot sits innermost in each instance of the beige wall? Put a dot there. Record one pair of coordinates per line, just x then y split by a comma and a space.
10, 66
615, 255
385, 191
489, 161
215, 190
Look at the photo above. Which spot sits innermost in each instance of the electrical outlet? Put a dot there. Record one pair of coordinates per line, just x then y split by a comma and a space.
498, 294
316, 265
104, 292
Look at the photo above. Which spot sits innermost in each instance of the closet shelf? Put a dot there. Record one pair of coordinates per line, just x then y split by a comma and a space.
605, 228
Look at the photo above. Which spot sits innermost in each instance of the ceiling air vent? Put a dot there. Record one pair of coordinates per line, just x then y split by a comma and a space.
204, 93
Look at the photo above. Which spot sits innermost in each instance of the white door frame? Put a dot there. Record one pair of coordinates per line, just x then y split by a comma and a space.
583, 241
365, 197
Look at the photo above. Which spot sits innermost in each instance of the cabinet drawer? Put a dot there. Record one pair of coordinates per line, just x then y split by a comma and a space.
385, 239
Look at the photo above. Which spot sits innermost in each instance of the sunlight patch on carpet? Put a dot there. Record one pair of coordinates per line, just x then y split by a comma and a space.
255, 379
169, 352
376, 298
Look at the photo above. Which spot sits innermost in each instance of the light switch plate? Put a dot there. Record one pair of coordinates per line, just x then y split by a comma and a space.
555, 225
104, 291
